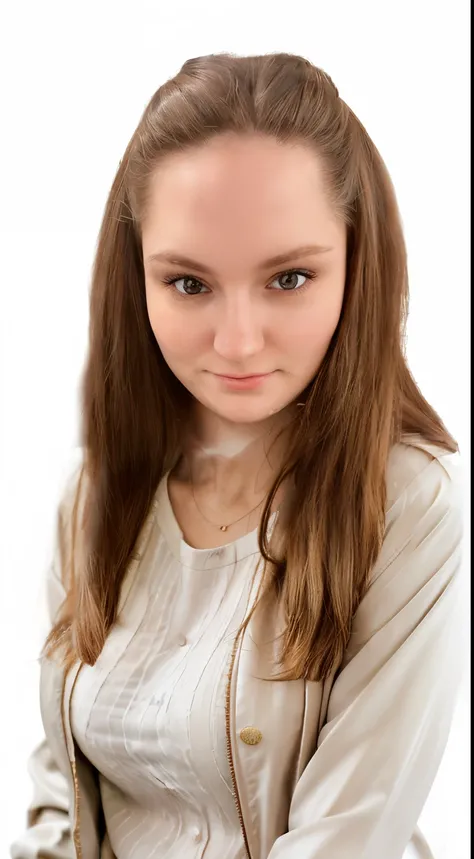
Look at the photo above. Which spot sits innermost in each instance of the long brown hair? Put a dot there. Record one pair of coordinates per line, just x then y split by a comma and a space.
362, 400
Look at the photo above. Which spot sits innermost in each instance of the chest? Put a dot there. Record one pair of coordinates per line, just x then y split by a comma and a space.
238, 520
150, 716
167, 615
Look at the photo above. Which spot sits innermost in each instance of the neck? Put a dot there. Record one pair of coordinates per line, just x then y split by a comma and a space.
234, 462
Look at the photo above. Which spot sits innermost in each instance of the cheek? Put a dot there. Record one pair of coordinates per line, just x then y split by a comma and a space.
310, 333
175, 334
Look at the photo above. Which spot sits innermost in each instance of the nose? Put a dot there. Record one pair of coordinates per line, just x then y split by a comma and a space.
238, 329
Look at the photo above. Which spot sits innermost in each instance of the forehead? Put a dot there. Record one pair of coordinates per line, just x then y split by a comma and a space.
239, 190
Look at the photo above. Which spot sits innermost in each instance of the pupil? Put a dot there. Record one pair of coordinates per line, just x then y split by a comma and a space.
190, 286
288, 285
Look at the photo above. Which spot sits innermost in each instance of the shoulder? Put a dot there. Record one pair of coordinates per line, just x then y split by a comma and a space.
424, 521
419, 568
414, 464
415, 596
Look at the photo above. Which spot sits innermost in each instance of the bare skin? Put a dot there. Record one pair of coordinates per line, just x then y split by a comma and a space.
230, 206
196, 498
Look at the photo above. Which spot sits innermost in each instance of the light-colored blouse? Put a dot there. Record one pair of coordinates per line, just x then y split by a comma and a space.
150, 714
345, 766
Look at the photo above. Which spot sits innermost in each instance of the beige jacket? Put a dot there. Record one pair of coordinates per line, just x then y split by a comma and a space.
364, 747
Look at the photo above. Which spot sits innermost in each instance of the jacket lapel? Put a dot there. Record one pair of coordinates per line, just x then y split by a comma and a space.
86, 810
69, 680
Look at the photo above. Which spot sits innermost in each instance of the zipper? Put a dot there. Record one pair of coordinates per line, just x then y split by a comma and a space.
235, 791
76, 833
76, 828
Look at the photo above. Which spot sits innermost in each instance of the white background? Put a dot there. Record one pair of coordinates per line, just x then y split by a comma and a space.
75, 78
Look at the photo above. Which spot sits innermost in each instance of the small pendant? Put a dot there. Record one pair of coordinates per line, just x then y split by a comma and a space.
223, 528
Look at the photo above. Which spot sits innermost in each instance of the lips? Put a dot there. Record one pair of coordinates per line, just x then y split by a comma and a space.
249, 376
243, 383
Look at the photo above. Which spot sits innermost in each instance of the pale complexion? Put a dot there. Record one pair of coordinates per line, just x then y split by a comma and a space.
230, 206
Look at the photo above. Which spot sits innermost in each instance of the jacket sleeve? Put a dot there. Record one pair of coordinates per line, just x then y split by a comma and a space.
48, 833
391, 705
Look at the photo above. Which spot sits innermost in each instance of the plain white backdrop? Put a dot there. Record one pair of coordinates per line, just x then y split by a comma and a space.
75, 80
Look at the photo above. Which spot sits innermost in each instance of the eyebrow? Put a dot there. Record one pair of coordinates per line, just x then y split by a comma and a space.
177, 259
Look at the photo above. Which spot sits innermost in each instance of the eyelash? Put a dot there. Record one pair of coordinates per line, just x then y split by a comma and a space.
310, 275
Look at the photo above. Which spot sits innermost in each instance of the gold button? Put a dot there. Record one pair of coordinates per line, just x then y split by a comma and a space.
251, 736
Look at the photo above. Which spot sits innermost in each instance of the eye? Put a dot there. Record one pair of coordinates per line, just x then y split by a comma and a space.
191, 286
290, 279
186, 285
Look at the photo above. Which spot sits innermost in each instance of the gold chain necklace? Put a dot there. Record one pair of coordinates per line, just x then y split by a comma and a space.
223, 527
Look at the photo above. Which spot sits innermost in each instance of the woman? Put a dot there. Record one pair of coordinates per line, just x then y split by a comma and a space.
254, 644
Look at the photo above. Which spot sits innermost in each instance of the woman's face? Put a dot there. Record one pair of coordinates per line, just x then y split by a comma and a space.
217, 216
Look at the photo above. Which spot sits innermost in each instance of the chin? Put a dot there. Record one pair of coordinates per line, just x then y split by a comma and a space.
244, 413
